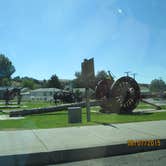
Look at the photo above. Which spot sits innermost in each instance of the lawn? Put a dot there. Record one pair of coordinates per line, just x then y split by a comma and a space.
60, 119
39, 104
30, 104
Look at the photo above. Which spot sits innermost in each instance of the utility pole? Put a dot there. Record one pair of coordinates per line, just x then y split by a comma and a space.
127, 73
134, 74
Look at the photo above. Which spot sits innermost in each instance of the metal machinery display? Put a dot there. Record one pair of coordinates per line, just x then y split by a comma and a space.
121, 96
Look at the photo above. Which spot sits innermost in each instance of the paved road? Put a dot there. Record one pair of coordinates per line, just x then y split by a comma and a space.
153, 158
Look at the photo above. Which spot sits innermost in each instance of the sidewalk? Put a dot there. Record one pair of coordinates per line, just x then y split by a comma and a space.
46, 146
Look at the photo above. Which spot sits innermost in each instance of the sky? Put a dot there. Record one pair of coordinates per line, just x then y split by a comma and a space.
46, 37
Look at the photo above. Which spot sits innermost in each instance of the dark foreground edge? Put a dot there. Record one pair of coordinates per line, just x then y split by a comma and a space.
62, 156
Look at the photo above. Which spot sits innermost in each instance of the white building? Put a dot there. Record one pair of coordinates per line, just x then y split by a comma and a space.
45, 94
25, 95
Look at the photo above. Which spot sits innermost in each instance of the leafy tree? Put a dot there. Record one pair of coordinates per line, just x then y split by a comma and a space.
17, 78
77, 82
6, 70
6, 67
28, 83
5, 82
54, 82
44, 83
157, 85
101, 75
66, 84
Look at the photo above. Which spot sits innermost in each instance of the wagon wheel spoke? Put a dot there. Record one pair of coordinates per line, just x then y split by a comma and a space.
126, 92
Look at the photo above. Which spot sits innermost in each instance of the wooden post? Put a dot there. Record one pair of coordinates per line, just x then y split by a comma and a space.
88, 78
88, 105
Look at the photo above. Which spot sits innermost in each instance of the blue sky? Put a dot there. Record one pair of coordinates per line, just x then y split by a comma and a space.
43, 37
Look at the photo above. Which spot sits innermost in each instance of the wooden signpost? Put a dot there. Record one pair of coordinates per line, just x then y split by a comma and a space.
88, 78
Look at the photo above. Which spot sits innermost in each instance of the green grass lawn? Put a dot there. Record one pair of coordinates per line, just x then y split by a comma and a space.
60, 119
31, 104
38, 104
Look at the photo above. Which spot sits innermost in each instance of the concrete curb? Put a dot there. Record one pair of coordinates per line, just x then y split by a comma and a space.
62, 156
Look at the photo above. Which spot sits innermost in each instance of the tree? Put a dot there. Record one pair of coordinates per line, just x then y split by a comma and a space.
6, 67
5, 82
17, 78
157, 85
66, 84
54, 82
101, 75
6, 70
44, 83
77, 82
28, 83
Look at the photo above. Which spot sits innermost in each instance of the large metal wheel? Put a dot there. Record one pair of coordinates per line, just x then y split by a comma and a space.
124, 95
102, 88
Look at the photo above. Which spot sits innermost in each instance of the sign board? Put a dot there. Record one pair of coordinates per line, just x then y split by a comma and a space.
88, 74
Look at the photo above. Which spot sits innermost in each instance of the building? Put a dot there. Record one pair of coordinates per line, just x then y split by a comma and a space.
145, 91
25, 95
45, 94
